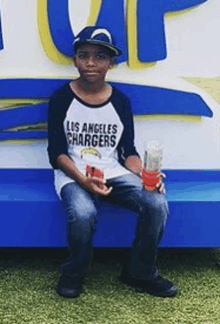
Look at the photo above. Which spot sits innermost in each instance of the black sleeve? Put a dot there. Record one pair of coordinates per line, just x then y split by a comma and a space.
57, 143
126, 145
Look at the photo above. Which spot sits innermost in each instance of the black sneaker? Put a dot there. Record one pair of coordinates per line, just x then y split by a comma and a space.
68, 287
158, 286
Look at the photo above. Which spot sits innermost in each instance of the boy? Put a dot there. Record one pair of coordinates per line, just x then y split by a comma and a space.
91, 123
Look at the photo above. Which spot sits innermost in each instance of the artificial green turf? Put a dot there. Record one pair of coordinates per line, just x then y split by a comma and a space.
28, 281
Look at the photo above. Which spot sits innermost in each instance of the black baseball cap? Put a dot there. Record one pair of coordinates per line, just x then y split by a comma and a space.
97, 36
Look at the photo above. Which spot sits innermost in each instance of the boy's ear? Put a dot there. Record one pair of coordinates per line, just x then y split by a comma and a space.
112, 63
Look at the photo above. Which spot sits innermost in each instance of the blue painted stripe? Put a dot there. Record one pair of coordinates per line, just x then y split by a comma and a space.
1, 38
60, 27
151, 32
173, 175
155, 100
29, 88
23, 135
111, 16
144, 99
192, 175
175, 5
27, 115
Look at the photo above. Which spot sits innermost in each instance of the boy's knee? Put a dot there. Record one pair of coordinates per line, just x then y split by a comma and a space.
155, 201
82, 214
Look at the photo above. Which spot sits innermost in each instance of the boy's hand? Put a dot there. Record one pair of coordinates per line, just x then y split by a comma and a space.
161, 186
96, 186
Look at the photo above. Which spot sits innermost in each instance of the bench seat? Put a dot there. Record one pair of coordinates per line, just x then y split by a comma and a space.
32, 215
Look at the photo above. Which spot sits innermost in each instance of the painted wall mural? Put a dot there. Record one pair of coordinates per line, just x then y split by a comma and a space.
169, 68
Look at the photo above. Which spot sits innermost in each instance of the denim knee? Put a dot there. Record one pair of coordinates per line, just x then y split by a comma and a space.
155, 204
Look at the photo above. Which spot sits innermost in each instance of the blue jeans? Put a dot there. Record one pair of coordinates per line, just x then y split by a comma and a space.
81, 210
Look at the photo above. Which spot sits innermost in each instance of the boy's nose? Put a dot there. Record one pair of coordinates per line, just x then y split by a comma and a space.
90, 60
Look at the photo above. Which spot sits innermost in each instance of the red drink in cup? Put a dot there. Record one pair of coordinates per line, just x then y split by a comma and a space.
150, 179
93, 171
151, 174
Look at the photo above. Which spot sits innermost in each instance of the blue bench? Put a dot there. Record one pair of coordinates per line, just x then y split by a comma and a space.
32, 216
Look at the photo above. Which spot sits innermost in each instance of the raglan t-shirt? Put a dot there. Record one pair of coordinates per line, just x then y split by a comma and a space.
99, 135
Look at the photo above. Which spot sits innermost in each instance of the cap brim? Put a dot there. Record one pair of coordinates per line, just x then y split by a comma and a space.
113, 48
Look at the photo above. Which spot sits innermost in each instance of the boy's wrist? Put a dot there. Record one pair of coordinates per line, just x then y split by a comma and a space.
81, 179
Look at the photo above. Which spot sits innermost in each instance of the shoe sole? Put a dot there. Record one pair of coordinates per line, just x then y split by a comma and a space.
68, 295
150, 292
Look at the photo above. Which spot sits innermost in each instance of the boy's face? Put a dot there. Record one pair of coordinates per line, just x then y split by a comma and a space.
93, 62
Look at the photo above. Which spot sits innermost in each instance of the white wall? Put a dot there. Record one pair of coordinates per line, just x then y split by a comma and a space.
193, 51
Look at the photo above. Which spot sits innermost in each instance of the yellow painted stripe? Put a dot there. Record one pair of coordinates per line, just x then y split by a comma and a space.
133, 60
30, 127
23, 142
178, 13
95, 6
24, 101
191, 119
46, 38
